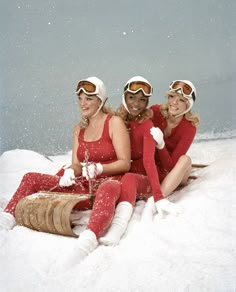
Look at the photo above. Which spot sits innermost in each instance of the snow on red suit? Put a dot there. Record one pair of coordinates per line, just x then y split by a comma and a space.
176, 145
142, 180
106, 188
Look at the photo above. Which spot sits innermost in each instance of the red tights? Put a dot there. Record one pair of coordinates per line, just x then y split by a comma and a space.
103, 208
134, 186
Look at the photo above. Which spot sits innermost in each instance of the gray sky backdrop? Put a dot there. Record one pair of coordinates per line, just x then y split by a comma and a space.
47, 46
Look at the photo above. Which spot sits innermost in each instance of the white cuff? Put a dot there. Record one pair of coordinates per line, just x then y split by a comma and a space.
161, 146
99, 168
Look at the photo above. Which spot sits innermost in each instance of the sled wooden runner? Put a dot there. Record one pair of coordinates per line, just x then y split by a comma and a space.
196, 166
192, 176
49, 212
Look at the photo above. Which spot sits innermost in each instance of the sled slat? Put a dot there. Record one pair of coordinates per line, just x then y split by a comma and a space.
49, 212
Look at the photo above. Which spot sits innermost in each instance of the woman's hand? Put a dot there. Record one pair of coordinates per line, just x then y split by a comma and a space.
165, 206
158, 137
68, 178
91, 170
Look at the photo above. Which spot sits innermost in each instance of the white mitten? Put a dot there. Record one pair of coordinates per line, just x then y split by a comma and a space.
68, 178
7, 221
83, 246
91, 170
158, 137
165, 206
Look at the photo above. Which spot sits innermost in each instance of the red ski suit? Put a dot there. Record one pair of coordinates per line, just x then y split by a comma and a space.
176, 145
107, 189
142, 180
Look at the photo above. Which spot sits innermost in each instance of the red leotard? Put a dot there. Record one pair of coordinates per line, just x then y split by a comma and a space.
101, 150
142, 179
107, 189
176, 145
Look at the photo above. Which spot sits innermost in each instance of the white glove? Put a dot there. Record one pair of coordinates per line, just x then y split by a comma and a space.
91, 170
68, 178
7, 221
158, 137
165, 206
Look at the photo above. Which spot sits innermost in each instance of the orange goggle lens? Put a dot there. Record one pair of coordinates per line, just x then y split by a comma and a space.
186, 89
86, 86
135, 86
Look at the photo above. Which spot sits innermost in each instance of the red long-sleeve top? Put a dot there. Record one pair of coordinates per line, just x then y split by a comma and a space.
177, 144
143, 154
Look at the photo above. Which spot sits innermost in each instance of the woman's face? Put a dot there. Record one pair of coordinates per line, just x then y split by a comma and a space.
136, 103
177, 104
89, 104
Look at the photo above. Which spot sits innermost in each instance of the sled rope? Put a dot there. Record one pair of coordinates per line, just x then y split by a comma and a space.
86, 156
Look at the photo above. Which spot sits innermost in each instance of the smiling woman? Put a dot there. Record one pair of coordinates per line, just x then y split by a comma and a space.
91, 89
100, 156
174, 133
142, 181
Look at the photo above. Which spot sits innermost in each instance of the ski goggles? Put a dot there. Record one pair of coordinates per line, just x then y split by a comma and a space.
186, 89
136, 86
87, 87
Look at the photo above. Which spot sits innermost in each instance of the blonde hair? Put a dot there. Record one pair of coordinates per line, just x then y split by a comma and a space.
190, 116
84, 121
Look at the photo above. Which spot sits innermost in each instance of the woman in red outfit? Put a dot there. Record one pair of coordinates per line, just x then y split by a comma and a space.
142, 181
100, 155
176, 129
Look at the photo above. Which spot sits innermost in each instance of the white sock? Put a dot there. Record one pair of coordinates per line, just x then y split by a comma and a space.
119, 224
7, 221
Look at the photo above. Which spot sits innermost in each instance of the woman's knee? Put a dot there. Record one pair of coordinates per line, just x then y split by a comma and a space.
109, 187
30, 176
185, 162
39, 180
129, 178
186, 165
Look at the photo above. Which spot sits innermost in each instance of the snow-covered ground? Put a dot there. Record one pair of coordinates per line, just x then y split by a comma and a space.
195, 251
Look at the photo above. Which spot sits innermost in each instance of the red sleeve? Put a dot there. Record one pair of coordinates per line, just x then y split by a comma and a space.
149, 146
186, 134
158, 119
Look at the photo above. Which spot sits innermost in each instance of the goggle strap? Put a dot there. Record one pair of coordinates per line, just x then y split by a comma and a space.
124, 103
190, 100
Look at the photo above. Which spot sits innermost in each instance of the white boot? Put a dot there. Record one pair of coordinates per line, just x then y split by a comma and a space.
84, 245
7, 221
119, 224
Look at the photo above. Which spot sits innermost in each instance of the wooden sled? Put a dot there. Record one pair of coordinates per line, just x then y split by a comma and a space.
192, 176
49, 212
